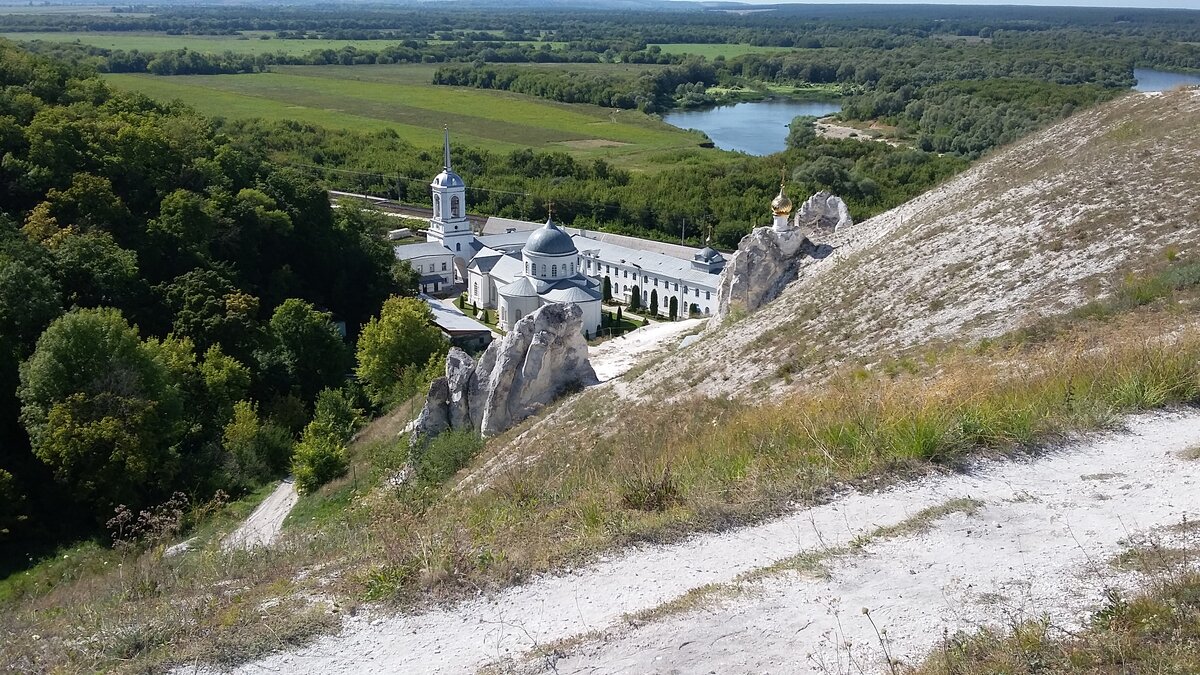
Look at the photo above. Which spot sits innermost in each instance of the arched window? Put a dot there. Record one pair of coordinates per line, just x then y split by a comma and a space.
526, 267
543, 269
458, 246
554, 270
454, 206
572, 268
437, 205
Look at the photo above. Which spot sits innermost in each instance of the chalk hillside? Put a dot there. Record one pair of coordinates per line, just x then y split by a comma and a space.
1041, 227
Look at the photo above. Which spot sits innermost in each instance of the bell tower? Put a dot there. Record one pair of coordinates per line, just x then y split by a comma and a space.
449, 225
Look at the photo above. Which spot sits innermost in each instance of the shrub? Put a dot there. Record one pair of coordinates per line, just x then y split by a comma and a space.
319, 458
335, 410
445, 455
257, 450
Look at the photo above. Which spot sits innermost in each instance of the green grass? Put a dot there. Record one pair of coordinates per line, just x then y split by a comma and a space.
401, 98
711, 51
245, 44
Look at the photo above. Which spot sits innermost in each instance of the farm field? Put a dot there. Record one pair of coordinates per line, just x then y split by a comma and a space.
249, 43
711, 51
400, 98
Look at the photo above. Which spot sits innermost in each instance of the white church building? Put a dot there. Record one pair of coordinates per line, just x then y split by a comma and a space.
513, 267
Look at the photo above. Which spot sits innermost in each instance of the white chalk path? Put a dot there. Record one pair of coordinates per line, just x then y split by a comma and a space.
613, 358
264, 524
1038, 545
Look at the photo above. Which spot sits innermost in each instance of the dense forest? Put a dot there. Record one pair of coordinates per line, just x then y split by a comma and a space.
727, 198
174, 309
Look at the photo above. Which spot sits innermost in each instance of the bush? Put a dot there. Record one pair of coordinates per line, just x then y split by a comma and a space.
319, 458
445, 455
257, 450
335, 410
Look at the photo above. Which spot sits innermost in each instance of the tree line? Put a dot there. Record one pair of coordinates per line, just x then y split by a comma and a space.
177, 313
727, 198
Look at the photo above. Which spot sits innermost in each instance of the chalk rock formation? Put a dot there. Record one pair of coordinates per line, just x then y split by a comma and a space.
823, 213
543, 357
770, 258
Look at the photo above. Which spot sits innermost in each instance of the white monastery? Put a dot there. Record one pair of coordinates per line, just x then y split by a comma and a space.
513, 267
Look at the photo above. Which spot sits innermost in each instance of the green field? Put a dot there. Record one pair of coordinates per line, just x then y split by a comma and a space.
711, 51
401, 98
157, 42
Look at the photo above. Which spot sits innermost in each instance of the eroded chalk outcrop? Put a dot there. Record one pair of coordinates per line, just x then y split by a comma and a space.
542, 358
823, 214
770, 258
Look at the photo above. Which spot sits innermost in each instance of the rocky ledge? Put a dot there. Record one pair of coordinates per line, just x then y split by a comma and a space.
542, 358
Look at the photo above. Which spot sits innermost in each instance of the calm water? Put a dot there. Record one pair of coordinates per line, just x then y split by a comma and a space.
1161, 80
756, 128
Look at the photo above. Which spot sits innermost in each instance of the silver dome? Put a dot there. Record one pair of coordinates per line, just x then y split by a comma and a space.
709, 254
550, 239
448, 179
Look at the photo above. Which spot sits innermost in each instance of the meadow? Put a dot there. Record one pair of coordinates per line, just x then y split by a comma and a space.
249, 42
400, 98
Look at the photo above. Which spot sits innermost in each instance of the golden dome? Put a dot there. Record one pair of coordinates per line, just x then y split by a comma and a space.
781, 205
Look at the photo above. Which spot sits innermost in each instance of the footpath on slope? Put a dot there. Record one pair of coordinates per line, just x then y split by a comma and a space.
264, 524
1037, 545
610, 359
613, 358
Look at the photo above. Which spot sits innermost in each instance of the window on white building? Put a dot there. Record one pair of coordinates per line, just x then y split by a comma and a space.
476, 293
708, 295
676, 287
458, 246
697, 292
554, 270
437, 204
454, 206
443, 267
543, 269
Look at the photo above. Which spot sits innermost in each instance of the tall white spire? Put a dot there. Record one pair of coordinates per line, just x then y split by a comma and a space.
446, 145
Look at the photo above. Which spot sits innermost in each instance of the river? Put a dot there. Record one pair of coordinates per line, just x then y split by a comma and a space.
755, 128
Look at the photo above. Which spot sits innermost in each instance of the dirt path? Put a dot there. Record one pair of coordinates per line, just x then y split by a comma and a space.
1037, 544
615, 357
263, 525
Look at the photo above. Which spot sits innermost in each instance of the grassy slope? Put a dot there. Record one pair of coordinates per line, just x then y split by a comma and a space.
399, 97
